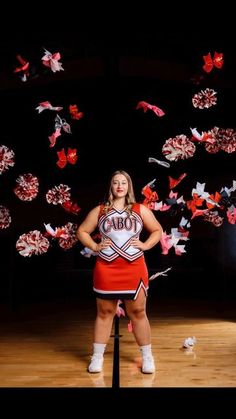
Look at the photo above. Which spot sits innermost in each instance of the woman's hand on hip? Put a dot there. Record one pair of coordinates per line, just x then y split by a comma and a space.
137, 244
103, 245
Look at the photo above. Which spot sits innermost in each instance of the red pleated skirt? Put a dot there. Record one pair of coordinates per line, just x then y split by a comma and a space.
120, 279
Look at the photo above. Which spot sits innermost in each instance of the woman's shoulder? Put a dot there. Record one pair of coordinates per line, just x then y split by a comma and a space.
141, 209
136, 207
101, 209
95, 210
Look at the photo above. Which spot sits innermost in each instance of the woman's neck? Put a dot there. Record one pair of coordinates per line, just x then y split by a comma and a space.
119, 204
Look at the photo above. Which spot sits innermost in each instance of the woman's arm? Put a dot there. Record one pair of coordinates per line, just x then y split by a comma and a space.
152, 226
87, 227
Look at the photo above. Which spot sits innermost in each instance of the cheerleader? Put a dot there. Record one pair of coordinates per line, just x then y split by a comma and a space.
120, 271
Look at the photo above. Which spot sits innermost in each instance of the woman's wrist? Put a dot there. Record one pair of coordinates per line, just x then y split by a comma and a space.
95, 247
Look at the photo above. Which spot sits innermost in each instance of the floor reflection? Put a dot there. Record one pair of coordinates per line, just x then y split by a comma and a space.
98, 379
144, 380
190, 352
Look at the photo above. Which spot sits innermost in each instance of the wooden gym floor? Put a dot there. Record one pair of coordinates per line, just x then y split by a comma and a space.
49, 345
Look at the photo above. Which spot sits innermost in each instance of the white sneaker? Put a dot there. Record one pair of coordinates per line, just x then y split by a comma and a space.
148, 366
96, 363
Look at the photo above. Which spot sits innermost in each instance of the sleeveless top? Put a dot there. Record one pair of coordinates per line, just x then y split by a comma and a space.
120, 227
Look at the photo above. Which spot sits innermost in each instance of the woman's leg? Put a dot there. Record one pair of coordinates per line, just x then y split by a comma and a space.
136, 311
106, 310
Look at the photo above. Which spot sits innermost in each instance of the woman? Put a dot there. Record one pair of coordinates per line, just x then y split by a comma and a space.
120, 271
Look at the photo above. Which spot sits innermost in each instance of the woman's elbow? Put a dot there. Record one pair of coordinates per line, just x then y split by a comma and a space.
79, 233
158, 233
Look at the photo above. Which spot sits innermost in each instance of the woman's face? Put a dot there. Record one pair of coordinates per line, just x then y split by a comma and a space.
119, 186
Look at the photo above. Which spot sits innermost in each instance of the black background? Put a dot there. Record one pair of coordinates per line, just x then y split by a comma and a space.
106, 76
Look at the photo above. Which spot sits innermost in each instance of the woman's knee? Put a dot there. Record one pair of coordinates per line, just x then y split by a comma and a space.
106, 310
136, 312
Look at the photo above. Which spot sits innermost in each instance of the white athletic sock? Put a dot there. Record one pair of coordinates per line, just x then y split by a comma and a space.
99, 348
146, 350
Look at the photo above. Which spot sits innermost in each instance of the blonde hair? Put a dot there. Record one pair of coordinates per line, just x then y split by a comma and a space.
129, 198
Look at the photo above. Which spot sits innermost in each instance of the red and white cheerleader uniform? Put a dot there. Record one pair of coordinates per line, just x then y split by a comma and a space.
120, 270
